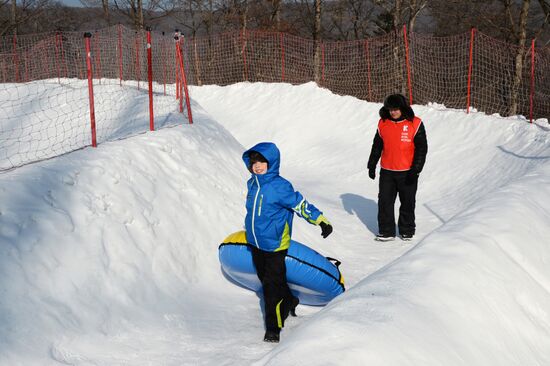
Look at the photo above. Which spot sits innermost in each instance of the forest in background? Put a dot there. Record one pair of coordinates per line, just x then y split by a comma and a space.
513, 21
522, 24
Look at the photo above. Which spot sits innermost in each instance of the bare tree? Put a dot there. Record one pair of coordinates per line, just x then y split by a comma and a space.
489, 16
234, 14
276, 14
99, 4
317, 41
13, 15
395, 13
545, 7
105, 7
307, 15
394, 18
361, 12
415, 7
189, 14
520, 31
208, 17
516, 23
339, 19
265, 14
453, 16
132, 10
351, 18
392, 14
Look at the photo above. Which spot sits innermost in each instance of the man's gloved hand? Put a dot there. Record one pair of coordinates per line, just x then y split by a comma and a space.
412, 176
326, 229
372, 173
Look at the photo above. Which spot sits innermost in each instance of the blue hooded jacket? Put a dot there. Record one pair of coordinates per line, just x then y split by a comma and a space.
271, 203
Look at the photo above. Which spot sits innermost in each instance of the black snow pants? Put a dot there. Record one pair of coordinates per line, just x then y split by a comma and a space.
391, 184
271, 270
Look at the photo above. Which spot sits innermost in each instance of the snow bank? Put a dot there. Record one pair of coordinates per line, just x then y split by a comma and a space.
108, 256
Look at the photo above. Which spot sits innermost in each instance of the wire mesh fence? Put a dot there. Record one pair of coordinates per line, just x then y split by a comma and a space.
44, 91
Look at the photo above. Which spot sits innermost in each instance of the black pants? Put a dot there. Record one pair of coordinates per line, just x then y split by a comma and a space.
271, 270
390, 185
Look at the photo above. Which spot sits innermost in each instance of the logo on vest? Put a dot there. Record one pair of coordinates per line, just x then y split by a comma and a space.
405, 134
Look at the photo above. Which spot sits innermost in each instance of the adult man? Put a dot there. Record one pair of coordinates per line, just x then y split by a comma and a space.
401, 146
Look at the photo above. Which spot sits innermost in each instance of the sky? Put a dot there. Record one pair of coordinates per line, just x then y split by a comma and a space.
73, 3
109, 255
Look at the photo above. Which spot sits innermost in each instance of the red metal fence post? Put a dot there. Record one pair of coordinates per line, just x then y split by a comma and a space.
187, 100
87, 37
184, 81
408, 64
177, 35
470, 67
532, 81
150, 79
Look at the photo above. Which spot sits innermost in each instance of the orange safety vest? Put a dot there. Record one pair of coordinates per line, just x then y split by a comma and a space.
398, 137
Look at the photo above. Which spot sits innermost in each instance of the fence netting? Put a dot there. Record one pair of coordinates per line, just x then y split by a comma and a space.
44, 94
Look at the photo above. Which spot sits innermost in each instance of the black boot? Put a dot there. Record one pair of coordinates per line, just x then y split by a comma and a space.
271, 336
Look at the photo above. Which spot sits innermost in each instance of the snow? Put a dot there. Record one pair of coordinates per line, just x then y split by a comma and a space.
108, 256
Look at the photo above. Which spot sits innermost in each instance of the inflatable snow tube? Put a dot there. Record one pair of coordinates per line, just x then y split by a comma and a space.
313, 278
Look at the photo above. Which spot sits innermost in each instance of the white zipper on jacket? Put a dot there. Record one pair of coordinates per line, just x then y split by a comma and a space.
254, 212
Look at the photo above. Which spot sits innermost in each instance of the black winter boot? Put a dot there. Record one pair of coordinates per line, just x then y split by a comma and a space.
271, 336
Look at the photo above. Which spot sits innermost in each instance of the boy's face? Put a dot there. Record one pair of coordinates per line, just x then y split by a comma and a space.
395, 113
259, 167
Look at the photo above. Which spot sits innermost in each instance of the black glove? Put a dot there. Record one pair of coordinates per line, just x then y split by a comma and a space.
411, 177
372, 173
326, 229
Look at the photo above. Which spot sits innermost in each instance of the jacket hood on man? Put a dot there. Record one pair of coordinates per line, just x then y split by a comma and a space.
395, 101
271, 153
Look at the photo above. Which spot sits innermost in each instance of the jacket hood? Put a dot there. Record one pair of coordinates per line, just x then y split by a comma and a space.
396, 101
270, 151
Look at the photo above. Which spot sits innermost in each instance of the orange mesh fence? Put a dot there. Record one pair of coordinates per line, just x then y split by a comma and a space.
440, 67
298, 59
541, 100
42, 113
370, 69
44, 95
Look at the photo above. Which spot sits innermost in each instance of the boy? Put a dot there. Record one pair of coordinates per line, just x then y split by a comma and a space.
270, 206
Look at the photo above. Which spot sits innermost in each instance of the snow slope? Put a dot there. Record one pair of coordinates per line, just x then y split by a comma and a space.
108, 256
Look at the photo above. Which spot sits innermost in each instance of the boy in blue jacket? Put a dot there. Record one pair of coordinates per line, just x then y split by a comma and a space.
271, 203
